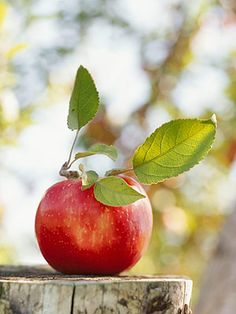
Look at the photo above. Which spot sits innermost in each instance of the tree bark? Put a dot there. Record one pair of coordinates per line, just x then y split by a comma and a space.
25, 290
218, 290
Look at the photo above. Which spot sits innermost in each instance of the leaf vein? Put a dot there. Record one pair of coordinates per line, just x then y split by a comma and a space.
166, 152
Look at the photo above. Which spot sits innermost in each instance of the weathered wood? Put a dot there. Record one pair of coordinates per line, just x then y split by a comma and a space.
40, 290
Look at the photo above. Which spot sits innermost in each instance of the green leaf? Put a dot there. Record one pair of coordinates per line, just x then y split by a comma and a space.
84, 100
173, 148
89, 179
108, 150
114, 191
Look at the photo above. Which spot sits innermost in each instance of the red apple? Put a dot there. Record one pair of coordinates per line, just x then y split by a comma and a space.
79, 235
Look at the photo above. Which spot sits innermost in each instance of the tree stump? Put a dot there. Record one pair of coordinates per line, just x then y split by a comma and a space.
34, 290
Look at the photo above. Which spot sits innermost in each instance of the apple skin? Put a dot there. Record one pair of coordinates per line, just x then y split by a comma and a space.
79, 235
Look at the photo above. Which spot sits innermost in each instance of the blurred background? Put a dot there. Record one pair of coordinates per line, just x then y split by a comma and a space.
152, 61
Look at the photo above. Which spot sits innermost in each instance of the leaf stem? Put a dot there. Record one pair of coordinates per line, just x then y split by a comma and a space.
118, 171
71, 163
72, 148
64, 169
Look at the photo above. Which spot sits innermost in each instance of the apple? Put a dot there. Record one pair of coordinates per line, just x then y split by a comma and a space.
79, 235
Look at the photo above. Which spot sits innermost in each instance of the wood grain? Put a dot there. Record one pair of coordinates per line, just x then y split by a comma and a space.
40, 290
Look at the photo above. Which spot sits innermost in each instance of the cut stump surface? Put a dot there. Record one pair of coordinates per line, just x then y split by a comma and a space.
40, 290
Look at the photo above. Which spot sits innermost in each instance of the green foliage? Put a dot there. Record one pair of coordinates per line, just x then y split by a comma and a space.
88, 179
114, 191
173, 148
84, 100
107, 150
12, 121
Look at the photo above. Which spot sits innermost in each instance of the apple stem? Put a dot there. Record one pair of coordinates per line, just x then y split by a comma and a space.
69, 174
